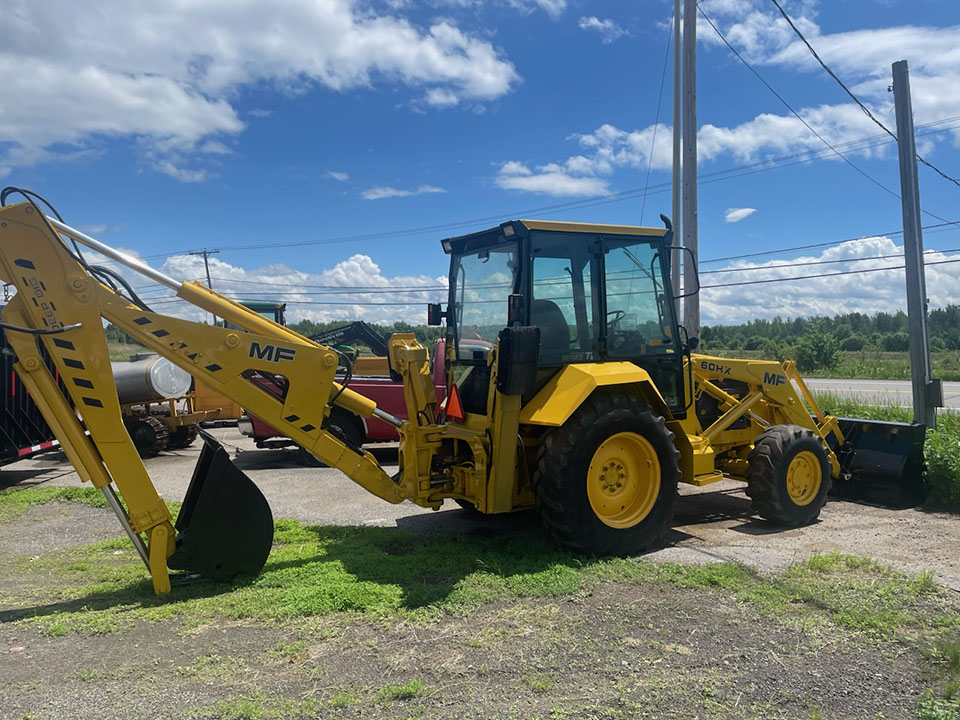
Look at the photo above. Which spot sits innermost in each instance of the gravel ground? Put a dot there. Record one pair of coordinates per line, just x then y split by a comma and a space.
712, 524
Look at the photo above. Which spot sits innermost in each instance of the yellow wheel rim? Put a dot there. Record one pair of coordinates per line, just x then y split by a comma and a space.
804, 476
623, 480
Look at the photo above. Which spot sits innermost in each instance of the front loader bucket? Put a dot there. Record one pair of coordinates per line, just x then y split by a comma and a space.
225, 527
883, 461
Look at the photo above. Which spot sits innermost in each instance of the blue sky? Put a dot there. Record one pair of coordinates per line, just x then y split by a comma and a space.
165, 127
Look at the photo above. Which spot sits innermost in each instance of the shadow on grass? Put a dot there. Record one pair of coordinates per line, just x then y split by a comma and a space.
315, 570
444, 560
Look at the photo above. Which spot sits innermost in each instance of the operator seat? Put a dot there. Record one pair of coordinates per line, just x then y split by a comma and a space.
554, 331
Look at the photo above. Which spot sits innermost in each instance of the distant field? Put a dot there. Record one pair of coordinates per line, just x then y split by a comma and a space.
867, 364
120, 352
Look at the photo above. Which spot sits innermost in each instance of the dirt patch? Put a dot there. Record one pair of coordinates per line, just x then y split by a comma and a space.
56, 525
623, 651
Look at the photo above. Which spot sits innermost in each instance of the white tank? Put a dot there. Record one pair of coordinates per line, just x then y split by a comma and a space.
149, 379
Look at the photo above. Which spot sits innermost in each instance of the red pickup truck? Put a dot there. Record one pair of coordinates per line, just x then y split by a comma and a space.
371, 380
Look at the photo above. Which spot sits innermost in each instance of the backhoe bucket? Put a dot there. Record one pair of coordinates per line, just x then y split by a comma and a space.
884, 461
225, 527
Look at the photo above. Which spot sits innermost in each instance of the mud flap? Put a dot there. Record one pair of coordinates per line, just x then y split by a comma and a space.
882, 463
225, 526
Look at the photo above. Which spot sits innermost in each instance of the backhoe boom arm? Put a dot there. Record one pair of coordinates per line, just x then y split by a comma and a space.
59, 293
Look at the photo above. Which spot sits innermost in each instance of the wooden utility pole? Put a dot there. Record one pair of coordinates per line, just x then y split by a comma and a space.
925, 390
691, 304
677, 209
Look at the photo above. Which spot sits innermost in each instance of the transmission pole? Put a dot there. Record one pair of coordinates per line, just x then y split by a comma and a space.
925, 390
677, 210
206, 265
691, 304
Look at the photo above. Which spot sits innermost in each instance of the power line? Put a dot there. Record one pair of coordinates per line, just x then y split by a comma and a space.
800, 118
824, 244
702, 287
656, 125
822, 275
853, 97
820, 262
658, 188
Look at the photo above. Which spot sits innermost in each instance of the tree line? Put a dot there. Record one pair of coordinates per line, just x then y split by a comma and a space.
853, 332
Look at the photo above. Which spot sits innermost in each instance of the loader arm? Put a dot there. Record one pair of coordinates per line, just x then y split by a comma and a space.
59, 305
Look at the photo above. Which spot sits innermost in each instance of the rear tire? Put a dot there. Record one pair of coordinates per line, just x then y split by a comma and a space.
606, 481
788, 477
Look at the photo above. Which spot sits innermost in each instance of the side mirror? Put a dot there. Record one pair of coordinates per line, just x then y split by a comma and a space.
435, 314
693, 343
517, 355
675, 253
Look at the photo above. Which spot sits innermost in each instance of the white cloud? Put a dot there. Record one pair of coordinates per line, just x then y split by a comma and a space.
867, 293
339, 176
862, 58
441, 97
548, 179
554, 8
733, 215
337, 293
379, 193
167, 74
608, 29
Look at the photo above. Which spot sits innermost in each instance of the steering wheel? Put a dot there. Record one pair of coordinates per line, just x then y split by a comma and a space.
618, 315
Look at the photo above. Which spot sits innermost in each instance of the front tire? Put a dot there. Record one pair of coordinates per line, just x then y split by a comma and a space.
788, 475
606, 481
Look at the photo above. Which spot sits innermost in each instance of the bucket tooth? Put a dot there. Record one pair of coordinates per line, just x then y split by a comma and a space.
225, 526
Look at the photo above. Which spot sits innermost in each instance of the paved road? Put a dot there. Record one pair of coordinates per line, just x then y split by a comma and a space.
896, 392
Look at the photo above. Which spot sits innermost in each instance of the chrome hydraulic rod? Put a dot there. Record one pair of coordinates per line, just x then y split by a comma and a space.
120, 257
388, 418
121, 514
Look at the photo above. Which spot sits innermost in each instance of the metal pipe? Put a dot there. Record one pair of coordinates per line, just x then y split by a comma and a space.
388, 418
121, 514
120, 257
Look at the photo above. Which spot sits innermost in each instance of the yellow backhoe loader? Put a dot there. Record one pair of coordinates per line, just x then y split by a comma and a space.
571, 389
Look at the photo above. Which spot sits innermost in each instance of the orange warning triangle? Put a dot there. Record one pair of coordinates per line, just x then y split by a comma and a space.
454, 407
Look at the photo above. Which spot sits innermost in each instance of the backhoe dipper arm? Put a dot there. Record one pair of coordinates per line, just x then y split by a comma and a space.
55, 291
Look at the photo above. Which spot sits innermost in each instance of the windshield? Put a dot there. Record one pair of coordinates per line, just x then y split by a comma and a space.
638, 319
481, 284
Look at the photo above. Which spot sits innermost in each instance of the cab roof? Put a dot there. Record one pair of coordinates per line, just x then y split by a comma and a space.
514, 228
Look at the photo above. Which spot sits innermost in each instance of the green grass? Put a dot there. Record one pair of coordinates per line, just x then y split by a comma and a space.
257, 707
407, 691
384, 573
942, 447
13, 501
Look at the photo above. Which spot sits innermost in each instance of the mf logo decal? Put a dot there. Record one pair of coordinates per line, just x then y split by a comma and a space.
271, 353
715, 368
774, 379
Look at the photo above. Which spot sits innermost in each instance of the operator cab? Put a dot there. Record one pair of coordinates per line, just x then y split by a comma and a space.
598, 293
